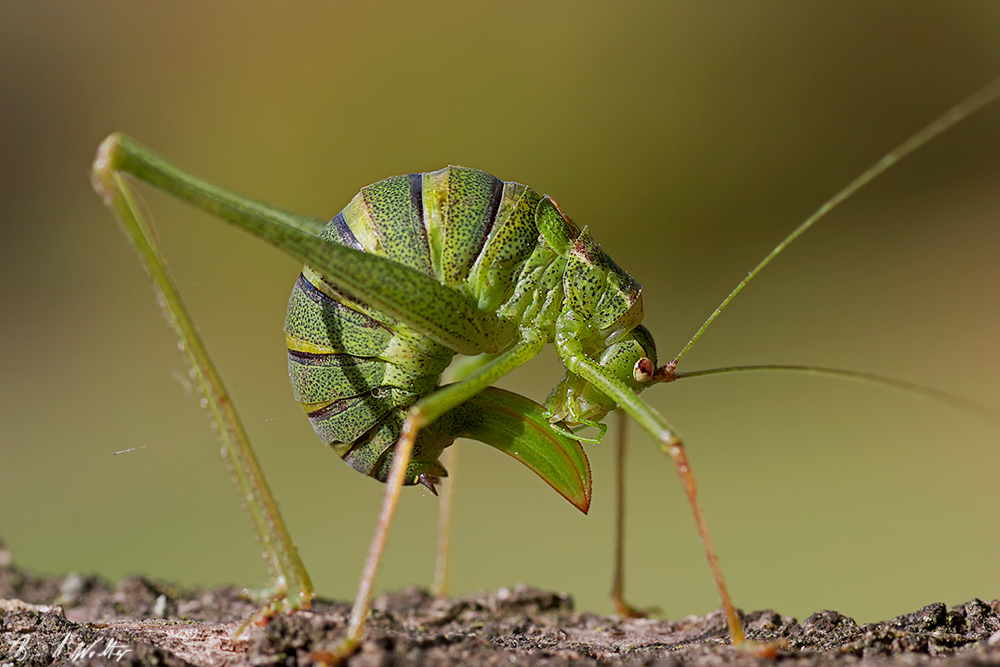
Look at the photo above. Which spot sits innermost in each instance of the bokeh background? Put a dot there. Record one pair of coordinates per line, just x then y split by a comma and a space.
690, 137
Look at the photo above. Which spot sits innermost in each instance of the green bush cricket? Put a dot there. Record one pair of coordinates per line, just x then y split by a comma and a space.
416, 269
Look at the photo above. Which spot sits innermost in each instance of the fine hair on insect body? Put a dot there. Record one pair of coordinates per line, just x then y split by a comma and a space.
416, 269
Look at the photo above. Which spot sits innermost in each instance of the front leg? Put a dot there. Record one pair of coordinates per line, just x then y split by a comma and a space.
670, 444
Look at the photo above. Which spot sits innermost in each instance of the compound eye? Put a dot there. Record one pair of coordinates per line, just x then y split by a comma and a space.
643, 370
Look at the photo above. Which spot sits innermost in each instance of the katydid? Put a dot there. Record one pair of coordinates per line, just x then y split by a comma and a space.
415, 270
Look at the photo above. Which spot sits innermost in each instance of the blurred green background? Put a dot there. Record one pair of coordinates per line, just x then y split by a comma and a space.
690, 137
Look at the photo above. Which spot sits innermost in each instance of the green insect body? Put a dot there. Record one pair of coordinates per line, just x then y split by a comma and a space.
415, 270
357, 370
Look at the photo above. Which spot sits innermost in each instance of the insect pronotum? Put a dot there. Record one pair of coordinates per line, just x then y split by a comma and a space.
416, 269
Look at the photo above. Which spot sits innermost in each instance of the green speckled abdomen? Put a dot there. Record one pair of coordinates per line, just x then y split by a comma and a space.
356, 370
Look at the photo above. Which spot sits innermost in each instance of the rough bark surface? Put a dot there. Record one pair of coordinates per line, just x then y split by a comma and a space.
85, 621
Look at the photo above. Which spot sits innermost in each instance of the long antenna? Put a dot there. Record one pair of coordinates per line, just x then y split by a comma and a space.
909, 388
970, 105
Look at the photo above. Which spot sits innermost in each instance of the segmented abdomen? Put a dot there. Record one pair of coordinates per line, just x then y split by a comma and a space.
356, 370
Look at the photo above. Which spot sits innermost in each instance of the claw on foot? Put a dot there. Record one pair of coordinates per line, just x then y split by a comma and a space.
278, 602
763, 649
343, 650
625, 610
259, 618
